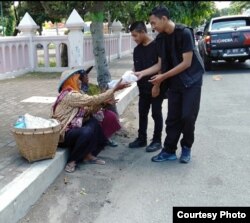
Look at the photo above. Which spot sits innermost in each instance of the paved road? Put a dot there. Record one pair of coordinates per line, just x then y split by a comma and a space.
130, 188
219, 172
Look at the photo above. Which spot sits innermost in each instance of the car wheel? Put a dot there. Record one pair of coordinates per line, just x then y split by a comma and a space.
242, 60
230, 60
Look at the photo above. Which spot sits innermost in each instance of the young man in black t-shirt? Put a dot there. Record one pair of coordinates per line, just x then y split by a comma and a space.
144, 56
183, 69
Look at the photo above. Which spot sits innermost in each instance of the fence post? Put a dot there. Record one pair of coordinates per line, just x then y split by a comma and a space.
117, 28
75, 25
28, 28
120, 45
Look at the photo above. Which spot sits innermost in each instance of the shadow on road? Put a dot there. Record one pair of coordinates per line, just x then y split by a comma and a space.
230, 68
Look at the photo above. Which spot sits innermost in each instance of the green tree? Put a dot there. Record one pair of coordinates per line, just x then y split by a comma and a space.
36, 11
58, 10
6, 7
238, 7
126, 12
10, 23
97, 17
192, 13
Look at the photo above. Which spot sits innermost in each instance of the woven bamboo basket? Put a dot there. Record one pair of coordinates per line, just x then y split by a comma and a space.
37, 144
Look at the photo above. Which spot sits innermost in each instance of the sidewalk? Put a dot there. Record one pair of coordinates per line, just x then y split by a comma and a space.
22, 183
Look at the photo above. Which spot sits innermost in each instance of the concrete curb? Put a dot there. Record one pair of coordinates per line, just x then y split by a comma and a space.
17, 197
125, 97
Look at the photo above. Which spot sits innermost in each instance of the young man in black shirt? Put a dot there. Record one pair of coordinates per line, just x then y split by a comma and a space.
182, 68
144, 56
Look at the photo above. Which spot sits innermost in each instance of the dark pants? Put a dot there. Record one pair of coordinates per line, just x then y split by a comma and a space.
85, 140
144, 105
183, 108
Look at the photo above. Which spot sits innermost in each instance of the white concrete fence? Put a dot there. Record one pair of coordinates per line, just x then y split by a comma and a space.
31, 53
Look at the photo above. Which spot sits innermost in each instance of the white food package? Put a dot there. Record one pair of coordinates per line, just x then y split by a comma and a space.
127, 77
112, 83
34, 122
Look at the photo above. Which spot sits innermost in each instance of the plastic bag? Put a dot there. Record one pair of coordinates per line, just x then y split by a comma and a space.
112, 83
127, 77
20, 123
34, 122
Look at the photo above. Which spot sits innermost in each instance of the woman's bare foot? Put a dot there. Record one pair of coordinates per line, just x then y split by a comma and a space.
70, 167
90, 159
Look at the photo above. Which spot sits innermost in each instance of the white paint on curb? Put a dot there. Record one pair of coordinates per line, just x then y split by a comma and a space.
17, 197
126, 97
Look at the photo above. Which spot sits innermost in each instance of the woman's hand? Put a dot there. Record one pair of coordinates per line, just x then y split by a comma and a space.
111, 101
119, 86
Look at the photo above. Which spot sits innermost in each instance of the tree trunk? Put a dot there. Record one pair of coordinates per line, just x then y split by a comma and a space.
103, 74
96, 28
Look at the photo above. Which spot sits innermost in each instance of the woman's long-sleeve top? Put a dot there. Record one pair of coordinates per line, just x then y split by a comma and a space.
70, 104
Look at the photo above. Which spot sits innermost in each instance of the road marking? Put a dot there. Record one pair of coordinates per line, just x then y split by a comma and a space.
40, 99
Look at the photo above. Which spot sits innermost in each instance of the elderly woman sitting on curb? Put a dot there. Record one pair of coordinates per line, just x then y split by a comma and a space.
108, 118
80, 131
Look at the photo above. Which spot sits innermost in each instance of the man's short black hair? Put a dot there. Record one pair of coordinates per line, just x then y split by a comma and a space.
138, 26
160, 11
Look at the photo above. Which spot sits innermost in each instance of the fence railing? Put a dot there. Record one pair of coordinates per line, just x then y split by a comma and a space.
22, 54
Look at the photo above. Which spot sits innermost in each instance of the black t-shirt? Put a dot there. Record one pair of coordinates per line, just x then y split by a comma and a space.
175, 46
175, 81
145, 57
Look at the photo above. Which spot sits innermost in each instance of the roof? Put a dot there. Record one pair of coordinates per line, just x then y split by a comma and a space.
230, 17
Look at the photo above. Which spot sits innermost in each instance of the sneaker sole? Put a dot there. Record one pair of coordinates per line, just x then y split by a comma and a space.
170, 159
184, 161
131, 147
153, 150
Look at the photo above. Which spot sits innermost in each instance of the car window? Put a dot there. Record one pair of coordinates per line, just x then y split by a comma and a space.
218, 25
206, 28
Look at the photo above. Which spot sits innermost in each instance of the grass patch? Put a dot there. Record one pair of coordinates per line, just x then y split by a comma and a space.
41, 75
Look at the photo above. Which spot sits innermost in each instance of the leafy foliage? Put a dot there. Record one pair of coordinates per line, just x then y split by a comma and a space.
192, 13
6, 11
93, 89
10, 22
238, 7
